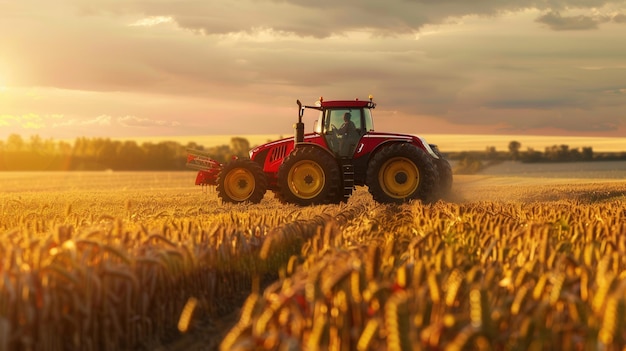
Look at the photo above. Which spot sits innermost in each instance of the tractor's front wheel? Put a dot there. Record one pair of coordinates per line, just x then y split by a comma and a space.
309, 176
241, 180
401, 172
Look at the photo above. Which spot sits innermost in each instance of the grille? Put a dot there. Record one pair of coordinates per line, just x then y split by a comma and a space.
278, 153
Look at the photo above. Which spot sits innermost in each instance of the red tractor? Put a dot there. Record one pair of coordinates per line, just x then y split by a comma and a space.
324, 166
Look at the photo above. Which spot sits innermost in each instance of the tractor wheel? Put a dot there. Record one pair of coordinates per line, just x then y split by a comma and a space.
241, 180
308, 176
444, 182
401, 172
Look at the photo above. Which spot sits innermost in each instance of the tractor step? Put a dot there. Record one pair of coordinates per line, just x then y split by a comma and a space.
347, 169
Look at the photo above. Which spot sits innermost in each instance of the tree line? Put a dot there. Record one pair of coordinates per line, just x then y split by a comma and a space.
473, 161
93, 154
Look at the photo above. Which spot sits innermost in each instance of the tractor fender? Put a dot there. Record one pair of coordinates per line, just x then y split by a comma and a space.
386, 143
298, 145
429, 149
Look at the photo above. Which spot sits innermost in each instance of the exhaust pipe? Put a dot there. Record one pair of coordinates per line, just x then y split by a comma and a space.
299, 127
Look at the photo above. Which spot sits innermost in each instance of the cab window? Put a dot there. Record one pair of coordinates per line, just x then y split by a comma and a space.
318, 123
335, 118
369, 121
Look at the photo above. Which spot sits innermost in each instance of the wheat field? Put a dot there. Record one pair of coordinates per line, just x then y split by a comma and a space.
147, 261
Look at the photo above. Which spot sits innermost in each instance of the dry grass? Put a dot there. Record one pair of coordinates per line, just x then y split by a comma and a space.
112, 261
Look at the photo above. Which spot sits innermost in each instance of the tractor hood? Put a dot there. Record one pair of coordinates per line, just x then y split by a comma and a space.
263, 147
284, 145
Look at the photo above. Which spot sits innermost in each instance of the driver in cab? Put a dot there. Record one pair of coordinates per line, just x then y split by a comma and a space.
349, 135
347, 128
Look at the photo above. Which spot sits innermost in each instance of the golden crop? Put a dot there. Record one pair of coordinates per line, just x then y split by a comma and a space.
138, 262
450, 276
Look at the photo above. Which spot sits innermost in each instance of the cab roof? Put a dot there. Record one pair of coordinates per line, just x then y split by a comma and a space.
347, 103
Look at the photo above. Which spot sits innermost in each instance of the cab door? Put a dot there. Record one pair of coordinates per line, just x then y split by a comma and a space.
342, 145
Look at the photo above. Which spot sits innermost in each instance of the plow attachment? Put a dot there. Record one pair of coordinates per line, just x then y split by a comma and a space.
208, 169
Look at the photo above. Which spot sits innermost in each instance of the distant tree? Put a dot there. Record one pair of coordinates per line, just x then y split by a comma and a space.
85, 148
129, 156
468, 164
107, 154
587, 153
575, 155
491, 153
220, 153
561, 153
551, 153
239, 146
531, 155
165, 155
15, 143
564, 152
194, 146
36, 143
514, 147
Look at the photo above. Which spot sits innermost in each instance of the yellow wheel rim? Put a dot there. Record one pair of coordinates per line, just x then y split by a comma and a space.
306, 179
239, 184
399, 177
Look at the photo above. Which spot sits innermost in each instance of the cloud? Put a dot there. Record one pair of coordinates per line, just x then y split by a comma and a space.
103, 125
133, 121
394, 17
619, 18
26, 121
557, 22
324, 18
102, 121
181, 66
151, 21
109, 121
7, 120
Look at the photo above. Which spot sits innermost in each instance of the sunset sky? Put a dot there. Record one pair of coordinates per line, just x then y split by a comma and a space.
130, 68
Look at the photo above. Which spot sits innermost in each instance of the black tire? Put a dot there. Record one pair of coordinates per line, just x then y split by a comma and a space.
401, 172
241, 180
309, 176
444, 181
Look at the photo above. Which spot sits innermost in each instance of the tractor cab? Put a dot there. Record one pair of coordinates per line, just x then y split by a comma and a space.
343, 123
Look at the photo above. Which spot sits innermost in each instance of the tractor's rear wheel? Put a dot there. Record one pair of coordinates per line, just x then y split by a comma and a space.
309, 176
444, 182
401, 172
241, 180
